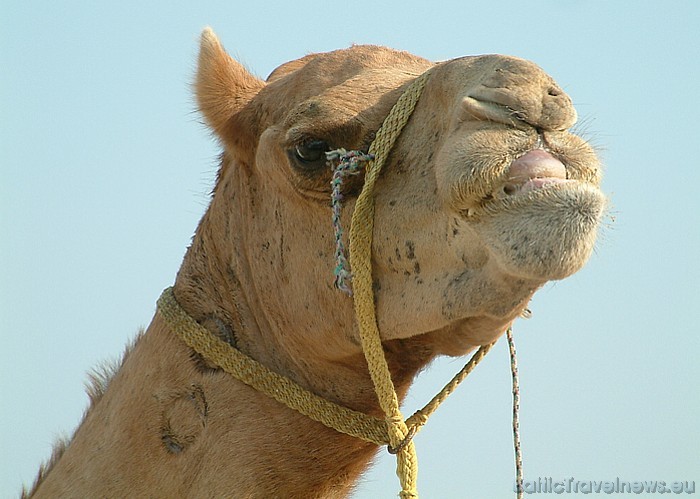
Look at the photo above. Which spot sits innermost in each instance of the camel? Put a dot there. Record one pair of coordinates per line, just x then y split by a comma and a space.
485, 197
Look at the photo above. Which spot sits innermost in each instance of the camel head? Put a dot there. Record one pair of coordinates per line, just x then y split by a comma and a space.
485, 196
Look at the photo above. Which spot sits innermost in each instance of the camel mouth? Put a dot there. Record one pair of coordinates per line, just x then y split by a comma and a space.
535, 169
527, 178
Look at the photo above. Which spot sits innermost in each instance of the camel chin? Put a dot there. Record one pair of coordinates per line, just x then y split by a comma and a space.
546, 233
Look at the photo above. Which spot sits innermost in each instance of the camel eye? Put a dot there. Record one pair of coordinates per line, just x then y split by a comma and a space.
311, 153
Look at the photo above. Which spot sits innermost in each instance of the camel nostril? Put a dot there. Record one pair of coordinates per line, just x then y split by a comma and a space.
510, 189
554, 91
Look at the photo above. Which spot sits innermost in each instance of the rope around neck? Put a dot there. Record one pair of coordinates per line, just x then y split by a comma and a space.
285, 391
393, 431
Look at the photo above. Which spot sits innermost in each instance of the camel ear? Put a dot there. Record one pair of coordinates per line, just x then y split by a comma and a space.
223, 86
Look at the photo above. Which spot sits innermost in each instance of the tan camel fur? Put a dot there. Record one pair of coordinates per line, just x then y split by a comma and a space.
485, 197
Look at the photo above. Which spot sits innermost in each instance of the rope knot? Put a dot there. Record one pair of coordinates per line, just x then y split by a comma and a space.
419, 418
412, 430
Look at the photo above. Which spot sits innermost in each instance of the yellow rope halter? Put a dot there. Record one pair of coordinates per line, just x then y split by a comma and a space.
394, 431
361, 232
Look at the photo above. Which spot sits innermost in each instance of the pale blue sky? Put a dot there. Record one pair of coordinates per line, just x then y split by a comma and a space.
105, 171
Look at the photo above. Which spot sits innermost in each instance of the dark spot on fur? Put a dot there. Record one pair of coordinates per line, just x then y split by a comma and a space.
221, 329
399, 165
398, 255
416, 268
392, 202
232, 275
410, 250
171, 445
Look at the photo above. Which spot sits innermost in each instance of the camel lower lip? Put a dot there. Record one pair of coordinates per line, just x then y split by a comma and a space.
555, 229
540, 183
531, 191
515, 189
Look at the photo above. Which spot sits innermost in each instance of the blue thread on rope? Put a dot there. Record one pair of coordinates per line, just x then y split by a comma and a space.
344, 163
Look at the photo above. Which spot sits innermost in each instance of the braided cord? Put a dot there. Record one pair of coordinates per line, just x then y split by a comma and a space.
420, 417
516, 417
344, 164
